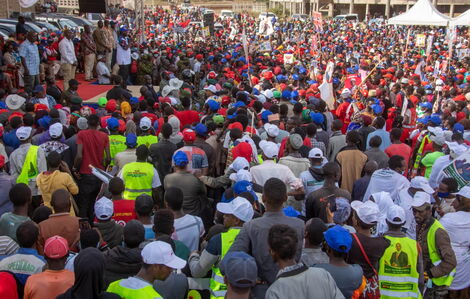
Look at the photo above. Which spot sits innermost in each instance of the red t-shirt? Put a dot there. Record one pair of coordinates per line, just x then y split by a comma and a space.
401, 149
187, 117
94, 143
124, 211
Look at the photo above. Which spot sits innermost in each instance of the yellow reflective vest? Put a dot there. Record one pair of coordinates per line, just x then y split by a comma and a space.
398, 274
148, 140
435, 257
29, 171
217, 285
117, 144
137, 178
133, 288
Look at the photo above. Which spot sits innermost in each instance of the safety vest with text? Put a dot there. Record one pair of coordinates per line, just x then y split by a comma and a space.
137, 178
133, 288
117, 144
148, 140
217, 285
398, 274
435, 257
29, 171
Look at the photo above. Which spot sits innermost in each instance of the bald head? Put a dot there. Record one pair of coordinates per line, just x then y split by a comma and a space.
60, 201
370, 167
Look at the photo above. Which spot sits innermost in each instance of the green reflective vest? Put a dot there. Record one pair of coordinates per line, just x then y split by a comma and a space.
435, 257
137, 178
217, 285
148, 140
117, 144
29, 171
398, 274
120, 288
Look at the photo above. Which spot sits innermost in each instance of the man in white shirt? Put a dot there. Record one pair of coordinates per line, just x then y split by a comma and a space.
123, 55
188, 228
68, 59
104, 75
436, 174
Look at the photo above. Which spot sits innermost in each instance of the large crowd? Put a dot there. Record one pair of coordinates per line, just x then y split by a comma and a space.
273, 158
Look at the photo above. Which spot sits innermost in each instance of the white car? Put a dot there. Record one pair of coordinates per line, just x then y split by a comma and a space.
227, 14
268, 15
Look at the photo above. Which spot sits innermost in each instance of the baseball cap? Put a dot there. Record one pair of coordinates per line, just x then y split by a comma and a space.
343, 210
421, 200
144, 203
420, 182
131, 140
82, 123
464, 192
367, 211
456, 148
438, 139
296, 141
426, 105
38, 88
338, 238
200, 129
218, 119
241, 175
239, 207
213, 105
240, 269
145, 123
56, 247
269, 148
113, 123
244, 150
189, 135
243, 186
161, 253
396, 215
55, 130
239, 163
23, 133
104, 208
315, 153
102, 101
211, 88
180, 158
405, 80
271, 130
435, 119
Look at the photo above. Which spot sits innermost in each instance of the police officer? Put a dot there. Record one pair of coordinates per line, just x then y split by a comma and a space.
236, 212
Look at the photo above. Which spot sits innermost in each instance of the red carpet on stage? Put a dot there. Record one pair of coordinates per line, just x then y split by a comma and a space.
86, 90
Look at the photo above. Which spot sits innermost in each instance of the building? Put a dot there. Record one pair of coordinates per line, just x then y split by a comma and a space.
387, 8
10, 6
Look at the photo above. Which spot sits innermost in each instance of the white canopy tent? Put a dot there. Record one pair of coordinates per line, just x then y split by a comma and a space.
462, 20
422, 13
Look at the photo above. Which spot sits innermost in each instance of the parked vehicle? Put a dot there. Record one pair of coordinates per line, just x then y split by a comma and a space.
227, 14
8, 29
46, 25
265, 15
348, 17
28, 25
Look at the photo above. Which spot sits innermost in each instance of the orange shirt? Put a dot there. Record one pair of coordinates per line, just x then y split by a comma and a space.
48, 284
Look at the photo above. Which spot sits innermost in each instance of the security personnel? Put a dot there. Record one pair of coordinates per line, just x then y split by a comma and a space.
159, 261
139, 177
400, 267
236, 212
438, 256
117, 142
146, 137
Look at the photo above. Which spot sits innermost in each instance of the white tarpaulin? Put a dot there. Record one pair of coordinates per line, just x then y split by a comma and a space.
27, 3
422, 13
462, 20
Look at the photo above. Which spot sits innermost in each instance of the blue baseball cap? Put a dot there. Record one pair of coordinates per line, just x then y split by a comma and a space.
265, 114
435, 119
244, 186
286, 94
338, 238
291, 212
113, 124
180, 158
240, 269
376, 108
317, 117
213, 105
424, 120
38, 88
131, 140
458, 128
426, 105
134, 100
239, 104
200, 129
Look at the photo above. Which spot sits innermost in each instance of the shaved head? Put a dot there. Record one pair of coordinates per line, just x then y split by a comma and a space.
60, 201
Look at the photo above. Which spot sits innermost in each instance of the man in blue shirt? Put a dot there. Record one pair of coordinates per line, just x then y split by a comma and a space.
30, 59
379, 124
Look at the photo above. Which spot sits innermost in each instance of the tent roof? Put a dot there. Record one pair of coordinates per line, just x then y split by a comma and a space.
422, 13
462, 20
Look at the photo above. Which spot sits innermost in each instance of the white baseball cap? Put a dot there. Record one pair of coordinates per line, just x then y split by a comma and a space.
145, 123
23, 133
161, 253
239, 163
315, 153
268, 93
239, 207
211, 88
464, 192
420, 182
55, 130
456, 148
104, 208
420, 199
345, 93
405, 80
367, 211
241, 175
396, 215
271, 130
269, 148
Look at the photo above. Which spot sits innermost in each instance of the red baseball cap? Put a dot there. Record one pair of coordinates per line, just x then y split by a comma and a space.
235, 125
189, 135
56, 247
243, 149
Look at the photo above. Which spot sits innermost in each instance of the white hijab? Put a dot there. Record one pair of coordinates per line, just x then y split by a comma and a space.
384, 201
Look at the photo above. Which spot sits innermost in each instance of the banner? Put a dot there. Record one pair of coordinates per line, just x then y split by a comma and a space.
206, 32
326, 88
429, 45
265, 47
288, 58
317, 21
459, 169
420, 40
266, 27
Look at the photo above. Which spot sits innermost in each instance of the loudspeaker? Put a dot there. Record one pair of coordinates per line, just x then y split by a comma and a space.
208, 19
92, 6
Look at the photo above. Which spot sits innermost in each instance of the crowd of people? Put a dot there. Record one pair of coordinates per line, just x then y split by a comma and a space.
261, 159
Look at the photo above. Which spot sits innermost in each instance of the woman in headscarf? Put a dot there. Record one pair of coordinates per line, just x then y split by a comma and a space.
384, 201
89, 283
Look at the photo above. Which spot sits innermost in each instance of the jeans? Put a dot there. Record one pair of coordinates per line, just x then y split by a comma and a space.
89, 187
30, 81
